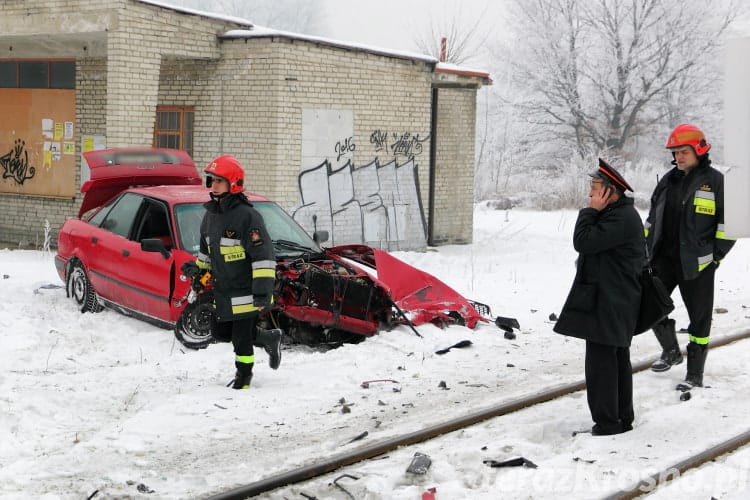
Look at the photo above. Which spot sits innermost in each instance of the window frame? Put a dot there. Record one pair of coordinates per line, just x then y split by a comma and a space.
49, 73
184, 131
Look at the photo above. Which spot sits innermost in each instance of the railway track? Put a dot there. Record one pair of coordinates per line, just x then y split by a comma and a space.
362, 453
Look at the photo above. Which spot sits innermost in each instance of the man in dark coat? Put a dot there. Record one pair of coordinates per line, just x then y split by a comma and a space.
686, 241
603, 303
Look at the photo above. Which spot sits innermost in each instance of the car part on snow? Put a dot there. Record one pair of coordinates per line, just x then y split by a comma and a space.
419, 464
458, 345
366, 383
507, 323
337, 485
513, 462
429, 494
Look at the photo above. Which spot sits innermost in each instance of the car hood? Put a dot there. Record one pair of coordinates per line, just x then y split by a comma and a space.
114, 170
425, 297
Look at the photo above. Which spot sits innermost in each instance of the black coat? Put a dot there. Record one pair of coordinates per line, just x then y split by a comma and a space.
701, 218
603, 303
238, 250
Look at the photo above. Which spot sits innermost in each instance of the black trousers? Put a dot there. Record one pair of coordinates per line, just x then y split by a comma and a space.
609, 385
242, 332
697, 294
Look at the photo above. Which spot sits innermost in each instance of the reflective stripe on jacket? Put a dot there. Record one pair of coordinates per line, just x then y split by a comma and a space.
238, 250
702, 238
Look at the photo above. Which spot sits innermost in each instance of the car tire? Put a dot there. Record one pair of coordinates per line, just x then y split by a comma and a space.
196, 324
79, 288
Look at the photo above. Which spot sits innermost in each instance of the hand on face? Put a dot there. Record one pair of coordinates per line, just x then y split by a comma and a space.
600, 195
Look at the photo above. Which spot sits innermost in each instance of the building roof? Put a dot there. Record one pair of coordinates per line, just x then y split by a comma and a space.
254, 31
200, 13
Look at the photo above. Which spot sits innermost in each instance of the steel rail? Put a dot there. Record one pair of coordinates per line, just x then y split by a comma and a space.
330, 464
660, 478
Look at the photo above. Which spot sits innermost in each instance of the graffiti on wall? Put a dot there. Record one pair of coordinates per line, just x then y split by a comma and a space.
15, 163
375, 204
344, 147
399, 145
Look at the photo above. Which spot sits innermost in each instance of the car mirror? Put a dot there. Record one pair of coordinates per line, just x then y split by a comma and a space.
320, 236
155, 245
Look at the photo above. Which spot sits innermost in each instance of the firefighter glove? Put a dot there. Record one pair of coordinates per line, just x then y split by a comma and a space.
262, 301
191, 269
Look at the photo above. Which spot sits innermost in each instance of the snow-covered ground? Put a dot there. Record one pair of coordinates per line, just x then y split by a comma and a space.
105, 404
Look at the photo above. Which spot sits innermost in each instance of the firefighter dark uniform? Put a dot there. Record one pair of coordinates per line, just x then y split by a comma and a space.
686, 242
237, 250
602, 306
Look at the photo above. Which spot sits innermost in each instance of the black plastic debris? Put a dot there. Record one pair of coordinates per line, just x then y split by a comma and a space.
513, 462
144, 489
506, 323
419, 464
463, 343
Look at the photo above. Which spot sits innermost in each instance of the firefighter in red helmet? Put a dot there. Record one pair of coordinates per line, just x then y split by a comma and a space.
236, 249
686, 242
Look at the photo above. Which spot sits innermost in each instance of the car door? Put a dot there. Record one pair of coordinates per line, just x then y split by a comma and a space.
127, 276
150, 275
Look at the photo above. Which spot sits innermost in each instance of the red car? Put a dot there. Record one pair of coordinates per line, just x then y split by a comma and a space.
125, 249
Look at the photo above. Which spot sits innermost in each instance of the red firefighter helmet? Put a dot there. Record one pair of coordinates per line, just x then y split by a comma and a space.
229, 168
688, 135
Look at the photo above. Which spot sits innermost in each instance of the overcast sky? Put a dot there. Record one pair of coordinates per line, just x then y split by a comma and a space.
392, 23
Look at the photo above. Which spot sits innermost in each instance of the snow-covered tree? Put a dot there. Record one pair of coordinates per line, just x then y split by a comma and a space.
598, 74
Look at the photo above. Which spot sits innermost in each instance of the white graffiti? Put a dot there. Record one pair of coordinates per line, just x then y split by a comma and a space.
376, 205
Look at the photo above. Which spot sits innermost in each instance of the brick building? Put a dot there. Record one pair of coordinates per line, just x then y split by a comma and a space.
376, 146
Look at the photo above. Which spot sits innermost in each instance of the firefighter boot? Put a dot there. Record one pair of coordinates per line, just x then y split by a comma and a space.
671, 354
243, 376
270, 341
696, 354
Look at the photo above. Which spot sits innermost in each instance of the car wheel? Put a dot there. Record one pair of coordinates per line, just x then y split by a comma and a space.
196, 324
80, 289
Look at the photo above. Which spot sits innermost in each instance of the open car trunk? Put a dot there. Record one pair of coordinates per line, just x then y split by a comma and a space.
113, 170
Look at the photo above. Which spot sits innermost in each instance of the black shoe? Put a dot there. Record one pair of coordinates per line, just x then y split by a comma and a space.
241, 381
667, 360
691, 381
270, 340
273, 348
608, 430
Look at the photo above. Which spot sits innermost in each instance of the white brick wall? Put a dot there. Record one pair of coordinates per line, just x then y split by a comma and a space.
249, 97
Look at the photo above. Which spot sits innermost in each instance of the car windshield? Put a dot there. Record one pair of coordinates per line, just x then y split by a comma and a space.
289, 238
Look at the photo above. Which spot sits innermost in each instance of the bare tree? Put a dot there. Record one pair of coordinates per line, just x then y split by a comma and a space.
465, 38
603, 72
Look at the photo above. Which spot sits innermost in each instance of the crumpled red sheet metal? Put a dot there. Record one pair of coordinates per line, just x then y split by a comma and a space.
421, 295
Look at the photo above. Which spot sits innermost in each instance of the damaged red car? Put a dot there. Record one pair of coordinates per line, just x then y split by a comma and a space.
140, 221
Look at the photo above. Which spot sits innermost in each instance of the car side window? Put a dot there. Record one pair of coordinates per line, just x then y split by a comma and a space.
155, 224
120, 218
189, 217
